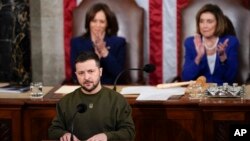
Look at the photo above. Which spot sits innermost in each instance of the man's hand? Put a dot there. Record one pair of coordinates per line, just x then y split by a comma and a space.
98, 137
66, 137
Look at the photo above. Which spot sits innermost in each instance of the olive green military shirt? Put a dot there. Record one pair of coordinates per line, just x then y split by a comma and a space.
107, 112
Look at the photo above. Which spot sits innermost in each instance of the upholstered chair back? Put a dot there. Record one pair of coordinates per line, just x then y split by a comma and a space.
240, 18
130, 19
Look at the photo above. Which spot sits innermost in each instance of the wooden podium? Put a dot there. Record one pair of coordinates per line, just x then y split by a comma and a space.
172, 120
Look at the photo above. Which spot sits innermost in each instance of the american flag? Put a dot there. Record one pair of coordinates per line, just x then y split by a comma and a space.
161, 46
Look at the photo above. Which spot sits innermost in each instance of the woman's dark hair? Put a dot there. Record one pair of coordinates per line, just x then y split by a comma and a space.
223, 22
112, 24
230, 27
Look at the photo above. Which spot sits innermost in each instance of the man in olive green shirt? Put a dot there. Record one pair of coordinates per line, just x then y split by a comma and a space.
108, 114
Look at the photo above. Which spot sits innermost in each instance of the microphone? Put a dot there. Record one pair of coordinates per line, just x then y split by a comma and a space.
148, 68
80, 108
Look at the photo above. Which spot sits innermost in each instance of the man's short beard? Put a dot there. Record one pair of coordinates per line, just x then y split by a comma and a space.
91, 89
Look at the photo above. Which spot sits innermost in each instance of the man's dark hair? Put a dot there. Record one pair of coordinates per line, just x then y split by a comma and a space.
86, 55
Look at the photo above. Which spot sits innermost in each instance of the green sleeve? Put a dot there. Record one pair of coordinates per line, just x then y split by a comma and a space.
125, 125
57, 128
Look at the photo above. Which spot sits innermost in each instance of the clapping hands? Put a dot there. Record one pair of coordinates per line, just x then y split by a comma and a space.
100, 46
199, 47
222, 50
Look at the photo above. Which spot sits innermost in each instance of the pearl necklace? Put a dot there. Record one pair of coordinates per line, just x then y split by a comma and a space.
211, 47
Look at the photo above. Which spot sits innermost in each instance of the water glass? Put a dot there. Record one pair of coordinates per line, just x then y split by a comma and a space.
212, 89
36, 90
195, 91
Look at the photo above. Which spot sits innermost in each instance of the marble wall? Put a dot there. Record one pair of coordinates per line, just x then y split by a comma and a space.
47, 44
15, 42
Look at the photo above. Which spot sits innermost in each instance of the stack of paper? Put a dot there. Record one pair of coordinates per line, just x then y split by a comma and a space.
14, 89
66, 89
153, 93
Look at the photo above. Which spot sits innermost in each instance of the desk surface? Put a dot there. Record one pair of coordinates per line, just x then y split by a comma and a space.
24, 95
174, 119
50, 96
174, 100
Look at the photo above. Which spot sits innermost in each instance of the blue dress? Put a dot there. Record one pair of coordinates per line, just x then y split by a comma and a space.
112, 65
223, 72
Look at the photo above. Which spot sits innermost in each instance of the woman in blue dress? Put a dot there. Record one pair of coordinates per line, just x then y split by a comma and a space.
101, 37
212, 52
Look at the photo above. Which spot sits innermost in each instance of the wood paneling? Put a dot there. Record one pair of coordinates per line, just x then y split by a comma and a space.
172, 120
37, 122
10, 122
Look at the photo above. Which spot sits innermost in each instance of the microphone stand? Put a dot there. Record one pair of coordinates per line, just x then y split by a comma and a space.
118, 76
72, 126
148, 68
81, 108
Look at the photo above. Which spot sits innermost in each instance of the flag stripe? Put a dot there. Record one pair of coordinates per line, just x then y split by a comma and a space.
169, 41
155, 44
68, 6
